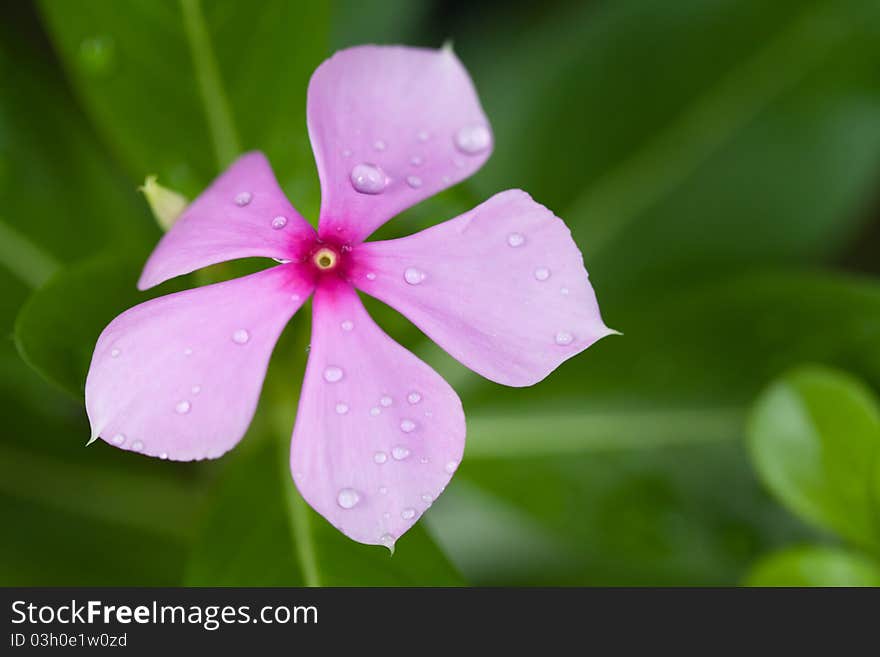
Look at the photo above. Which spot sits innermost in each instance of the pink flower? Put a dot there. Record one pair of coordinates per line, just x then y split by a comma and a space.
378, 433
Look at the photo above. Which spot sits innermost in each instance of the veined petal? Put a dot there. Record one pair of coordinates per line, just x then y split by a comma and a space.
378, 433
399, 124
242, 214
502, 288
178, 377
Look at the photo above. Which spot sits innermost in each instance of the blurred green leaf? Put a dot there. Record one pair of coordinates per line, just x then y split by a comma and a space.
815, 566
176, 88
815, 440
260, 532
58, 327
686, 138
61, 198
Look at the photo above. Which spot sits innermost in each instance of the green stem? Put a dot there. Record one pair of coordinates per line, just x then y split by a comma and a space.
637, 183
23, 258
217, 110
513, 436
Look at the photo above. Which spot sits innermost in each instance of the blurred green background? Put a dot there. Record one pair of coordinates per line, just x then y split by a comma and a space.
718, 162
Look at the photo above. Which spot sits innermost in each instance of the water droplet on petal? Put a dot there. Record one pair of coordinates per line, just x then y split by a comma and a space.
413, 276
473, 139
241, 336
371, 276
163, 455
187, 352
182, 407
196, 389
346, 153
542, 273
380, 457
399, 453
386, 401
375, 411
383, 490
137, 445
408, 514
118, 439
295, 298
407, 426
564, 291
379, 145
332, 374
387, 540
279, 222
414, 181
368, 179
427, 499
347, 325
446, 180
423, 460
451, 466
564, 338
243, 198
416, 160
114, 353
423, 136
413, 397
516, 239
347, 498
341, 408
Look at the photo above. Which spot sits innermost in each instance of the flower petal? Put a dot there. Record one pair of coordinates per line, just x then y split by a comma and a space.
502, 288
378, 433
408, 116
179, 376
242, 214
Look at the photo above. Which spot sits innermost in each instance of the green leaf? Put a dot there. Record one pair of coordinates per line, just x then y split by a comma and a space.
260, 532
58, 327
179, 88
61, 198
815, 440
815, 566
688, 139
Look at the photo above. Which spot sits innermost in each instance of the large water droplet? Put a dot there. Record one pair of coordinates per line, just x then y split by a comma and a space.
118, 439
408, 514
564, 338
241, 336
347, 325
332, 374
341, 408
413, 397
451, 466
516, 239
542, 273
407, 426
243, 198
473, 139
347, 498
137, 446
279, 222
368, 179
182, 407
380, 457
413, 276
414, 181
163, 456
399, 453
387, 540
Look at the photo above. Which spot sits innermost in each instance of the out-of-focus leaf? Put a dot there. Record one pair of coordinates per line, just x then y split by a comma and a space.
57, 328
260, 532
815, 566
815, 440
61, 198
685, 138
178, 88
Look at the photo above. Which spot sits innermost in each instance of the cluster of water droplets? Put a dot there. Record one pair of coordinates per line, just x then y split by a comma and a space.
368, 177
